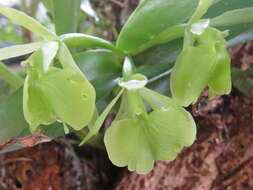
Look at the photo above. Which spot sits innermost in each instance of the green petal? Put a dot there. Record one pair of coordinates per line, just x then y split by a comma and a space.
36, 109
220, 81
127, 145
71, 97
191, 74
138, 142
42, 59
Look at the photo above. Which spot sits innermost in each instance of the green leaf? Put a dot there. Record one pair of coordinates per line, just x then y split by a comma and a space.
65, 15
238, 16
98, 124
9, 76
223, 6
83, 41
143, 25
18, 50
102, 68
28, 22
11, 116
138, 142
95, 63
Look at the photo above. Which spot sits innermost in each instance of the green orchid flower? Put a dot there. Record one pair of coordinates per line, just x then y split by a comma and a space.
203, 62
56, 94
137, 139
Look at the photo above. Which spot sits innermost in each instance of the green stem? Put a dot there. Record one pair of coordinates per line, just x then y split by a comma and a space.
201, 10
10, 77
84, 41
95, 141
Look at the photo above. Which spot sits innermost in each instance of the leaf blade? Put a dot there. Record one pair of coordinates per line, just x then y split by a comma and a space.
28, 22
18, 50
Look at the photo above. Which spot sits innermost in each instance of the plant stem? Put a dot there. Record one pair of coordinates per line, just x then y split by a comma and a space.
10, 77
160, 76
95, 141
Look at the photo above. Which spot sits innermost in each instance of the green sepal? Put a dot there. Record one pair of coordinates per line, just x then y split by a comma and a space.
36, 108
191, 74
100, 120
220, 81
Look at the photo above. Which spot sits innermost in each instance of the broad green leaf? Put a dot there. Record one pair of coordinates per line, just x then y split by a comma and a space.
28, 22
98, 124
18, 50
233, 17
11, 116
138, 142
5, 90
167, 35
150, 19
102, 68
104, 85
223, 6
95, 63
10, 77
83, 41
65, 15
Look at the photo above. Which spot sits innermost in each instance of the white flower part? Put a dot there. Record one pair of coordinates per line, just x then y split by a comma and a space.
200, 27
133, 84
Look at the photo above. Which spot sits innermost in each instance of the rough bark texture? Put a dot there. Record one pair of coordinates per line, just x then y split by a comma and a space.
52, 166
